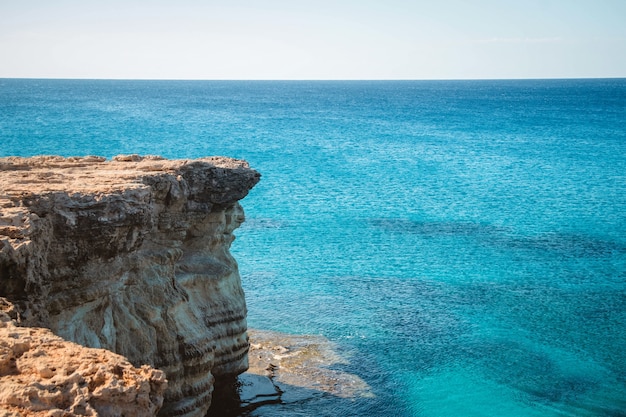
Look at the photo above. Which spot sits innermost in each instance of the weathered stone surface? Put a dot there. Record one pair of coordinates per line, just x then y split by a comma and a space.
43, 375
131, 255
301, 366
288, 369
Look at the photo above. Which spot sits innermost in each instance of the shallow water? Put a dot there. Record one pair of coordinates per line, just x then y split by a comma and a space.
462, 242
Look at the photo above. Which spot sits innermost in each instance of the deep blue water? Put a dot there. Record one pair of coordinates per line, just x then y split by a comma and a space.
463, 242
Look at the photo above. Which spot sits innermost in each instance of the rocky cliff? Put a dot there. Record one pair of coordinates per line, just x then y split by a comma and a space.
131, 255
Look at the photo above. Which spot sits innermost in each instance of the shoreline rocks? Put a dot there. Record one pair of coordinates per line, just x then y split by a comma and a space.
302, 362
284, 369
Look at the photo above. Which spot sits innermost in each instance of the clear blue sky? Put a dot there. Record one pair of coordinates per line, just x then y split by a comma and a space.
312, 39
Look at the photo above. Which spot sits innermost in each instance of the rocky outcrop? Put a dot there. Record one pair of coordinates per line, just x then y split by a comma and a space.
131, 255
44, 375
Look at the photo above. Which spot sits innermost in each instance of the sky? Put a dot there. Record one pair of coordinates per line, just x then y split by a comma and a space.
312, 39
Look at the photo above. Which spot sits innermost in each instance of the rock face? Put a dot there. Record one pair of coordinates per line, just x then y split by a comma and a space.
131, 255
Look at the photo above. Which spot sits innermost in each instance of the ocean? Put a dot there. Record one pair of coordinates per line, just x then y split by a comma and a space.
461, 243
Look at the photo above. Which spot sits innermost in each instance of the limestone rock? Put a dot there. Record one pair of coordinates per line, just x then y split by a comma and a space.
43, 375
131, 255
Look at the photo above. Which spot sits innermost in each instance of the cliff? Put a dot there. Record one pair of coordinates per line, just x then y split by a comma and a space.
131, 255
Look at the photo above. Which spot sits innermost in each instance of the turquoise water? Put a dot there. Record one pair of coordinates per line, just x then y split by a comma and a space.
463, 242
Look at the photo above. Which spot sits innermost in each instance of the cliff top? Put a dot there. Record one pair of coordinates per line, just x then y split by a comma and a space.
94, 174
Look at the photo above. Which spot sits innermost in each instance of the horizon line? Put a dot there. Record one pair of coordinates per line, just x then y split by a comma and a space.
312, 79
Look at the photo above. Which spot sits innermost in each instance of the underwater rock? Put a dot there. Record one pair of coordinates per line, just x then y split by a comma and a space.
288, 369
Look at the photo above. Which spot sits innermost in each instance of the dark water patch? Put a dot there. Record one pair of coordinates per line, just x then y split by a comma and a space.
416, 319
536, 374
435, 229
407, 307
571, 245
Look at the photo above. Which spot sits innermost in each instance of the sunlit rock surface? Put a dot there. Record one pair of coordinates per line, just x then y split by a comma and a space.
42, 374
131, 255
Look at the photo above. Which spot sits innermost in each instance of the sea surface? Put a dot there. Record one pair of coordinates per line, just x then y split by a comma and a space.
463, 243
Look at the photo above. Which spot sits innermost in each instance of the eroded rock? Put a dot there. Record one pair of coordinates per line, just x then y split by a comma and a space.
43, 375
131, 255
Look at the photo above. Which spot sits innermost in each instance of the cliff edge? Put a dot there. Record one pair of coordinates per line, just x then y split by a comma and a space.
131, 255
